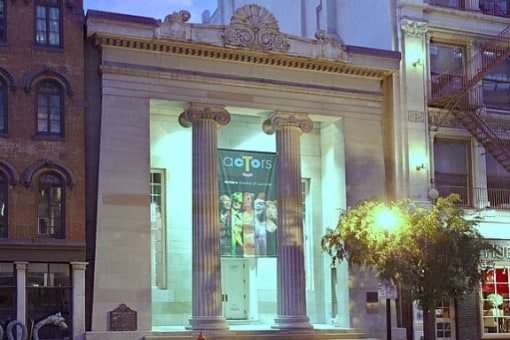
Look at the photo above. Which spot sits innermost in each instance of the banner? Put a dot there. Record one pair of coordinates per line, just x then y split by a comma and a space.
248, 214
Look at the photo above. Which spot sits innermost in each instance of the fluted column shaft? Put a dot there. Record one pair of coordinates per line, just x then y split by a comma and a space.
206, 272
290, 265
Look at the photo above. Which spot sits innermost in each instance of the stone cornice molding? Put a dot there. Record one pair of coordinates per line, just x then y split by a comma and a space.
188, 49
254, 27
413, 28
195, 112
281, 120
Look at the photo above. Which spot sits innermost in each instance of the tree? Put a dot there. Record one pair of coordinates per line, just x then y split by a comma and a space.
434, 253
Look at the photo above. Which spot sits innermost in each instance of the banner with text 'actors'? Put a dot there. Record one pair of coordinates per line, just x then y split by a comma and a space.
248, 214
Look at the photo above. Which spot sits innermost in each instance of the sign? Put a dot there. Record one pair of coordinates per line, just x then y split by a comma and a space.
248, 203
386, 290
123, 318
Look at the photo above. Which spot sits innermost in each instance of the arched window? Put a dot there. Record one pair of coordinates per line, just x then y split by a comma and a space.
50, 205
48, 16
3, 205
3, 106
50, 109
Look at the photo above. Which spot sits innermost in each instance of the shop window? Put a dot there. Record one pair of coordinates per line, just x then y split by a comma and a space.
50, 205
495, 301
48, 293
50, 111
3, 205
48, 21
7, 294
158, 229
3, 105
452, 169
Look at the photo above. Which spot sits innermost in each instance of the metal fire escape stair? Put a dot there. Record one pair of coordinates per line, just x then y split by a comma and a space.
456, 91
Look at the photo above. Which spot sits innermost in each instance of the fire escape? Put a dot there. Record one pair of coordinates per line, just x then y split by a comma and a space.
459, 94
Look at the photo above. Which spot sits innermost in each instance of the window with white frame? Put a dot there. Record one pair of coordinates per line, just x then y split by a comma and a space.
158, 228
495, 302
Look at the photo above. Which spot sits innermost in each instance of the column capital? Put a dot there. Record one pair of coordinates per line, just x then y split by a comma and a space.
287, 119
76, 265
414, 28
21, 265
195, 112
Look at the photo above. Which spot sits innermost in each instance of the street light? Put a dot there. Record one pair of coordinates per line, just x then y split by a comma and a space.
387, 220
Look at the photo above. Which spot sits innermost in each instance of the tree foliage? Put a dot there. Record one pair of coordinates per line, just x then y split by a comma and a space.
434, 253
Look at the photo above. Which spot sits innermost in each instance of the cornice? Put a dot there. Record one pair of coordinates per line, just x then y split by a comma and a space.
204, 51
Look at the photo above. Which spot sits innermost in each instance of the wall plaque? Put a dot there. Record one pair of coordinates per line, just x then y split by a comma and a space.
122, 318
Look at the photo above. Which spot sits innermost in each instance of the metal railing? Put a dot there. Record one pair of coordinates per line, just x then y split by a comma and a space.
471, 197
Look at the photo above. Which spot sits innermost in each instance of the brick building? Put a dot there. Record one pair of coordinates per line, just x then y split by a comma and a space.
42, 172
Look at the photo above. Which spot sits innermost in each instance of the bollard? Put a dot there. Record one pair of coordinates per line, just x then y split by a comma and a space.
201, 337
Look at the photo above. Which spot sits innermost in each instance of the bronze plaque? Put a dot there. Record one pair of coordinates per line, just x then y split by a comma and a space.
122, 318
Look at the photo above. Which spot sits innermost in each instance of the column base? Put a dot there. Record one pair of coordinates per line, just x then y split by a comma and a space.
292, 322
207, 323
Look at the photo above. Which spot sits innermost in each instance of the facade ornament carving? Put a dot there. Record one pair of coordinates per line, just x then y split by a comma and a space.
282, 119
173, 27
413, 28
253, 26
416, 116
195, 112
330, 45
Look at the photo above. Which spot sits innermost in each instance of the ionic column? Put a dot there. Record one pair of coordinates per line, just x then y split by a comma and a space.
206, 272
290, 265
78, 269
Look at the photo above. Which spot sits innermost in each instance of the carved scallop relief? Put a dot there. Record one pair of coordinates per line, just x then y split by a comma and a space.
253, 26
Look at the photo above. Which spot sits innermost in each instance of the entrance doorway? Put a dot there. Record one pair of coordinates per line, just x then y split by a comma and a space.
445, 321
234, 285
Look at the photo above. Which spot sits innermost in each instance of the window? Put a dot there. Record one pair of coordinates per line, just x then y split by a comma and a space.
3, 205
50, 118
48, 292
495, 301
50, 205
498, 184
496, 85
48, 31
3, 22
451, 169
3, 105
446, 68
158, 229
7, 294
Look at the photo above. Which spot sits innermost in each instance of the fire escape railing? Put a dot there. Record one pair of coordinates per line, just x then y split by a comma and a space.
458, 93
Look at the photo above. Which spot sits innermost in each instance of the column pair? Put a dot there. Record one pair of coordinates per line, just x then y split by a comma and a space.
206, 271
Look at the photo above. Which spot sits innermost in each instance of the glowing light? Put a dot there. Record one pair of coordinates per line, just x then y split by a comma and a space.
387, 219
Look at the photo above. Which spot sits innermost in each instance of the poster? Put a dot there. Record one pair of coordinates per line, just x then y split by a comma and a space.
248, 203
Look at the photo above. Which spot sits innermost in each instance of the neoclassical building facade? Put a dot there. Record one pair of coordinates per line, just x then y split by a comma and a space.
171, 105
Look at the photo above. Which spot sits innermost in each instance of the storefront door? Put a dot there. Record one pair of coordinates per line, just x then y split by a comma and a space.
445, 321
234, 285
